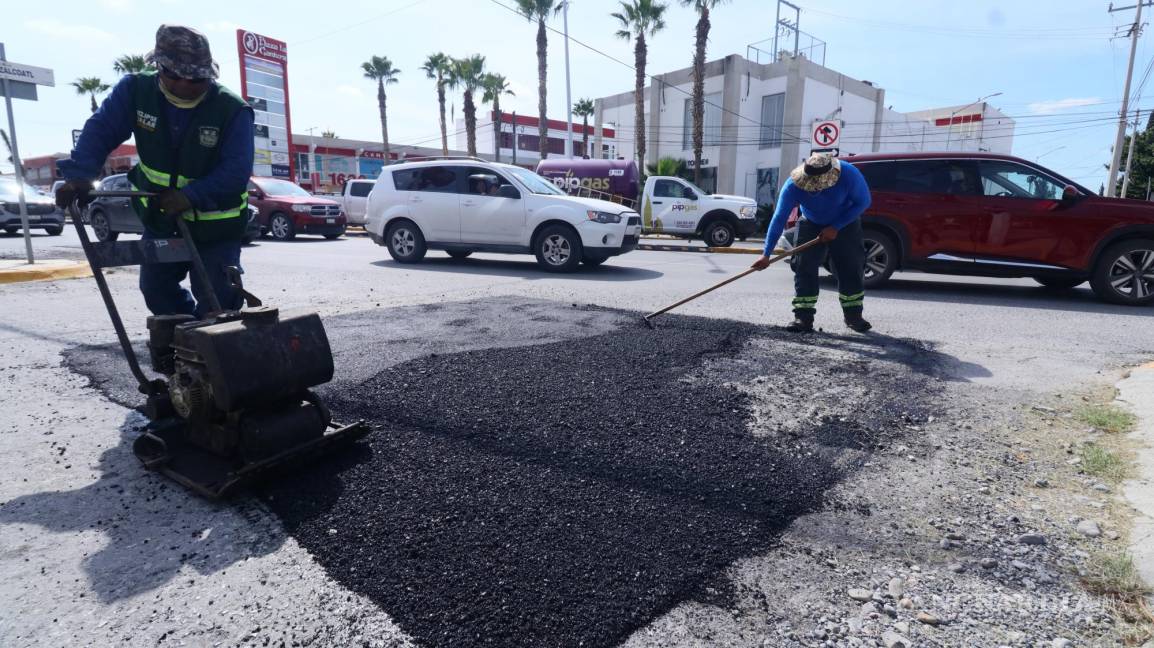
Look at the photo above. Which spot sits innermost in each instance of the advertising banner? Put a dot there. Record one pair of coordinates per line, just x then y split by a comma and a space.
264, 85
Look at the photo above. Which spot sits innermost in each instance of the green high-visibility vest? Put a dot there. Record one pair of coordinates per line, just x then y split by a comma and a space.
166, 164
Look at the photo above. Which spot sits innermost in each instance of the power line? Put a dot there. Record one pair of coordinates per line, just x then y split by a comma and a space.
356, 24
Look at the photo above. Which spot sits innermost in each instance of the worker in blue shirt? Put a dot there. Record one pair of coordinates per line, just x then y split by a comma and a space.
832, 196
195, 142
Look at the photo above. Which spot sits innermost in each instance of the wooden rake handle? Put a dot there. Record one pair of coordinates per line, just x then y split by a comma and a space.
779, 257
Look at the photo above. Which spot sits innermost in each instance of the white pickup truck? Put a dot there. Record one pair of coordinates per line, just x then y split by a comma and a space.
355, 200
670, 205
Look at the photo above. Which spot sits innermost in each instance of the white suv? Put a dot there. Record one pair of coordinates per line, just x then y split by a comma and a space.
469, 205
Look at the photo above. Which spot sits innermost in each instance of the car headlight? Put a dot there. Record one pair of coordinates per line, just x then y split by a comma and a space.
747, 211
303, 208
603, 217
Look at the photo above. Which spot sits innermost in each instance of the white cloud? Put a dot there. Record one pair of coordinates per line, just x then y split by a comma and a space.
350, 91
224, 26
68, 33
1058, 105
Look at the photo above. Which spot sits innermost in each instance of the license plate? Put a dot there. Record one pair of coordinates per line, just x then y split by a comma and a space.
633, 231
330, 221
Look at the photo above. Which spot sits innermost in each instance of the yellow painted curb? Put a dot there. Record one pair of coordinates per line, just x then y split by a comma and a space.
44, 271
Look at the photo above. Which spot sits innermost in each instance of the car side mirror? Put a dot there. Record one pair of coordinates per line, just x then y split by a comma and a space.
257, 193
1070, 195
508, 191
690, 195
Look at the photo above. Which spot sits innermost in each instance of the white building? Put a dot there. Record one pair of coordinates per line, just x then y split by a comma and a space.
523, 130
760, 118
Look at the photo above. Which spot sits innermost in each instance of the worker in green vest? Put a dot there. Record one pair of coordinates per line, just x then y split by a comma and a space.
195, 142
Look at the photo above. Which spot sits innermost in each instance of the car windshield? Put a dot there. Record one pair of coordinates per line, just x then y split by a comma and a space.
535, 183
281, 188
699, 190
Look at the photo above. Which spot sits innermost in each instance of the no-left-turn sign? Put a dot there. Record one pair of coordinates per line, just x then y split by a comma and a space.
826, 134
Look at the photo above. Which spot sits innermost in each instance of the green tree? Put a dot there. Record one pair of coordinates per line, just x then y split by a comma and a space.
381, 70
329, 134
467, 75
666, 166
640, 19
132, 64
494, 86
90, 86
438, 66
701, 37
1142, 167
540, 10
584, 109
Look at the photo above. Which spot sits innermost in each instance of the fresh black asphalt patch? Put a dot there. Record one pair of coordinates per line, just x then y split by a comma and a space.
568, 492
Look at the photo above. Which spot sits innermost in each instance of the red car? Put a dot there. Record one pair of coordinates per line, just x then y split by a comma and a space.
993, 215
287, 210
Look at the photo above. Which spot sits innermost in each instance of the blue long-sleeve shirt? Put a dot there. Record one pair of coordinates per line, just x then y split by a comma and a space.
837, 206
111, 125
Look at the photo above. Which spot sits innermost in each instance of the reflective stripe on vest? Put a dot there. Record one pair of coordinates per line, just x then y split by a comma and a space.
194, 216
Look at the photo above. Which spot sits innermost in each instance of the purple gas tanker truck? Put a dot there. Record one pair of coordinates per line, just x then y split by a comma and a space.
613, 180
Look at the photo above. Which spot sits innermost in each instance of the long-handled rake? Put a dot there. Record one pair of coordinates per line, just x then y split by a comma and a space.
648, 319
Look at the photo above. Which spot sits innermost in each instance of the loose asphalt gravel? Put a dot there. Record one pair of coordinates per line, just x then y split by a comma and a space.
569, 492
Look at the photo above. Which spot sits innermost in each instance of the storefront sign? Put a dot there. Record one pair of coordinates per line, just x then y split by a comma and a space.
264, 85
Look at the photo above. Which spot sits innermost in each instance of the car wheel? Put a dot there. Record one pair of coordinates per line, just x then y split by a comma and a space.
593, 261
101, 227
718, 234
1124, 273
460, 254
881, 258
1059, 283
406, 243
54, 230
282, 227
11, 230
558, 249
333, 237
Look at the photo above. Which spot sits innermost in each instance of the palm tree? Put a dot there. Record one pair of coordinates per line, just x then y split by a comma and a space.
539, 10
132, 64
640, 18
666, 166
90, 86
468, 74
702, 7
584, 109
381, 70
329, 134
494, 86
438, 66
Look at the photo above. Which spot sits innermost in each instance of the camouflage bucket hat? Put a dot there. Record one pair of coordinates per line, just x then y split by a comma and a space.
820, 171
184, 52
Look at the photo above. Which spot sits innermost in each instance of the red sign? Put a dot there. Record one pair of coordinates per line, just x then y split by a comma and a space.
960, 119
826, 133
264, 85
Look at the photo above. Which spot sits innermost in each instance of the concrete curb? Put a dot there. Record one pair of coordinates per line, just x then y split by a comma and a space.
1136, 393
46, 270
699, 248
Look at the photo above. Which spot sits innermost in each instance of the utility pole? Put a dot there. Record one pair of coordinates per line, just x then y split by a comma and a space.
18, 164
1130, 154
568, 93
1116, 158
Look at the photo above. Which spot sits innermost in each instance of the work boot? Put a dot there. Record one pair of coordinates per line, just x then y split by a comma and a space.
855, 321
802, 322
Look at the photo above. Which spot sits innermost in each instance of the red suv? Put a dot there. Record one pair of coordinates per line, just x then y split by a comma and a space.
287, 210
1000, 216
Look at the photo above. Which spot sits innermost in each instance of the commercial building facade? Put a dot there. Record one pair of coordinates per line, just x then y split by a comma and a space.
760, 118
519, 138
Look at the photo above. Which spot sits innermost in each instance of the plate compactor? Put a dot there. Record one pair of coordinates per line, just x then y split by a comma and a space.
234, 401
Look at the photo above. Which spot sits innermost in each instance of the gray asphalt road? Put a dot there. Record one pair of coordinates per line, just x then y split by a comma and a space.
1004, 332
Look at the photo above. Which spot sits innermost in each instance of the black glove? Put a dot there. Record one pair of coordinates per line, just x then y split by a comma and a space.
73, 190
172, 202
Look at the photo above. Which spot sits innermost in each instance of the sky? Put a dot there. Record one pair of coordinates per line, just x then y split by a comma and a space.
1057, 66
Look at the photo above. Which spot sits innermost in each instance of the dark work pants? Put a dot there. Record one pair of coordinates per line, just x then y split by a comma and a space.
848, 257
160, 282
